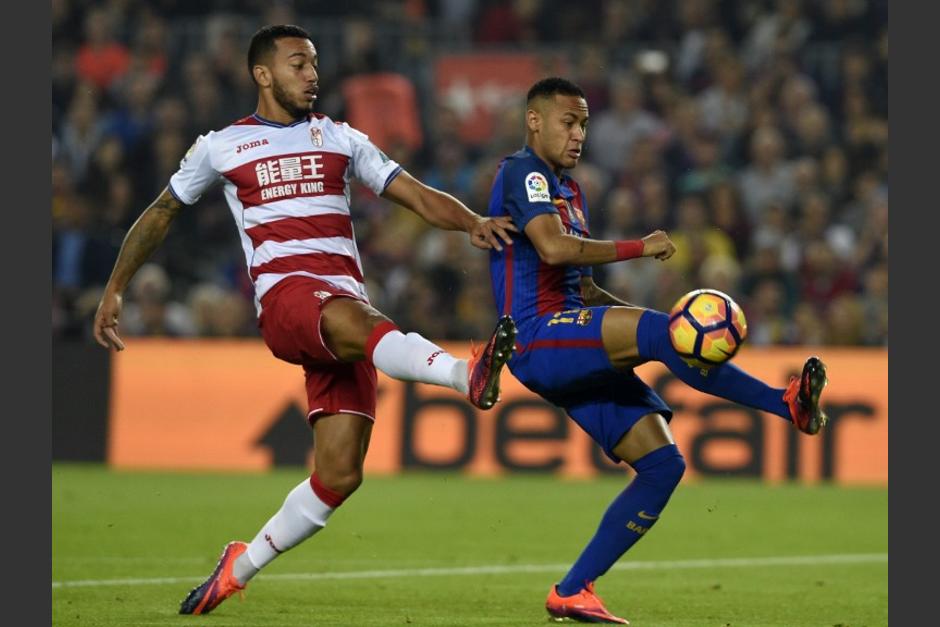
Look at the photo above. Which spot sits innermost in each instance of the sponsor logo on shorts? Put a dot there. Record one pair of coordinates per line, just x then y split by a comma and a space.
646, 516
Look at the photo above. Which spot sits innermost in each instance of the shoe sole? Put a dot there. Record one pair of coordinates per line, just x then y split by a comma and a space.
504, 344
815, 371
583, 618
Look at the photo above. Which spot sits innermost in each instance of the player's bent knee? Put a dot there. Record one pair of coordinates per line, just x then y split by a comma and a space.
662, 468
674, 470
342, 482
619, 333
346, 324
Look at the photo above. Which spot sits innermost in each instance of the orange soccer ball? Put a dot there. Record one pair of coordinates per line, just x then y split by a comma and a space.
706, 327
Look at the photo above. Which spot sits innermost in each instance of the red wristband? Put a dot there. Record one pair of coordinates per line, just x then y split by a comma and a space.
629, 249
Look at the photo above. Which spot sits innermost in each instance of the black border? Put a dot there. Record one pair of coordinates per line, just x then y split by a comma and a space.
28, 270
911, 371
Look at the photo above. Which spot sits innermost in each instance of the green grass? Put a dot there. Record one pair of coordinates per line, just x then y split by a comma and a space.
140, 526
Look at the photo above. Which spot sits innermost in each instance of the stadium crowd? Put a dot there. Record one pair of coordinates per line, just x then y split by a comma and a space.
753, 131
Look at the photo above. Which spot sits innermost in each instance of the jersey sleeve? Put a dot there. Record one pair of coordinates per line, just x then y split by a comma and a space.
526, 191
369, 164
195, 174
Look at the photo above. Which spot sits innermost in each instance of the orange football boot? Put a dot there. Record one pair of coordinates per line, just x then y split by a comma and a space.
220, 585
583, 607
485, 365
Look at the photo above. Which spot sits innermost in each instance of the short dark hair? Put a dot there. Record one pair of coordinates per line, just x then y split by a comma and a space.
263, 42
548, 87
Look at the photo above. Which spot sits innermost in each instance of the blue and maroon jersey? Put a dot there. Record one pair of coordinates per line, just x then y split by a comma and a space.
523, 285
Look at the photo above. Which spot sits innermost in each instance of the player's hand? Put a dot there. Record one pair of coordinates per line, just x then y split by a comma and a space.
106, 321
487, 232
657, 244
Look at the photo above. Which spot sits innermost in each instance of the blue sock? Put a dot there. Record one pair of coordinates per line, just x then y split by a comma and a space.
628, 517
727, 380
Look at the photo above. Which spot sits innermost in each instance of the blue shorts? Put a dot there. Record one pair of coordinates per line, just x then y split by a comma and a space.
561, 358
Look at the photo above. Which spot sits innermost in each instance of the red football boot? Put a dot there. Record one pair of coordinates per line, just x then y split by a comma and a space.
583, 607
485, 365
802, 396
220, 585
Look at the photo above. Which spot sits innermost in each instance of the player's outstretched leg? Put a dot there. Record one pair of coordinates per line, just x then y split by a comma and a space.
412, 358
355, 330
799, 402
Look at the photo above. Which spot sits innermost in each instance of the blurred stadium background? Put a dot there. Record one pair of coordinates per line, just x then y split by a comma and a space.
754, 131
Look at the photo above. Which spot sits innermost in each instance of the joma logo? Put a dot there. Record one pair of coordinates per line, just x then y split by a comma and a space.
250, 145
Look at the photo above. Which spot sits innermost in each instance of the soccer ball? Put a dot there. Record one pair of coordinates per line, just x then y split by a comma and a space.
706, 328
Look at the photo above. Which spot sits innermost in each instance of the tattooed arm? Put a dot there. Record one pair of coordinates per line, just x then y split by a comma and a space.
557, 248
144, 237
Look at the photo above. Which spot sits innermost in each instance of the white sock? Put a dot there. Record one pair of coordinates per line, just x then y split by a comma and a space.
413, 358
302, 515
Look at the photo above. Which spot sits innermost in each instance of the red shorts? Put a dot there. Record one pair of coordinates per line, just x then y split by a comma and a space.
290, 326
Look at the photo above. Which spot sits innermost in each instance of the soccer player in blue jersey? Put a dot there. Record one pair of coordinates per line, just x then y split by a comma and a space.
576, 344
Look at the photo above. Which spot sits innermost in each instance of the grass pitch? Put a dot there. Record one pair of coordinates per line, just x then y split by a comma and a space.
447, 550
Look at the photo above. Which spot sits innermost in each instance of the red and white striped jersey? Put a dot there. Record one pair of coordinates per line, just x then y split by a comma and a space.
288, 190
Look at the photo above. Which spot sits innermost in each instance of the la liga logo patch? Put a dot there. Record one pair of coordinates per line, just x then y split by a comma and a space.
536, 187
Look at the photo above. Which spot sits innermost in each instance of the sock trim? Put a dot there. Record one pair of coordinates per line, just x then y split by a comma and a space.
331, 497
644, 335
380, 331
654, 457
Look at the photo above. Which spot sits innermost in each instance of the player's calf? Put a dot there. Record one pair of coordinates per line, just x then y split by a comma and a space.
725, 381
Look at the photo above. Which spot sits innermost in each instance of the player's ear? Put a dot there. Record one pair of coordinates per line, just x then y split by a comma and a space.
533, 120
262, 75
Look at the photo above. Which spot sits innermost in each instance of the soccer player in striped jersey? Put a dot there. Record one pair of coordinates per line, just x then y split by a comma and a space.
286, 173
577, 344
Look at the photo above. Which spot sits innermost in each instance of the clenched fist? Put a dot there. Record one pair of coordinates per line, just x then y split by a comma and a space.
657, 244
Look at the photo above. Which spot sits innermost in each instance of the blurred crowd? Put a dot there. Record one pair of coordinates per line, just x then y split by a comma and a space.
753, 131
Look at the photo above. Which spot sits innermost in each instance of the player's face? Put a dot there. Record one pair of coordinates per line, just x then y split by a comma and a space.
563, 129
294, 78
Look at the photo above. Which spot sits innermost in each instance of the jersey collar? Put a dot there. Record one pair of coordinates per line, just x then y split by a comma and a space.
268, 122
